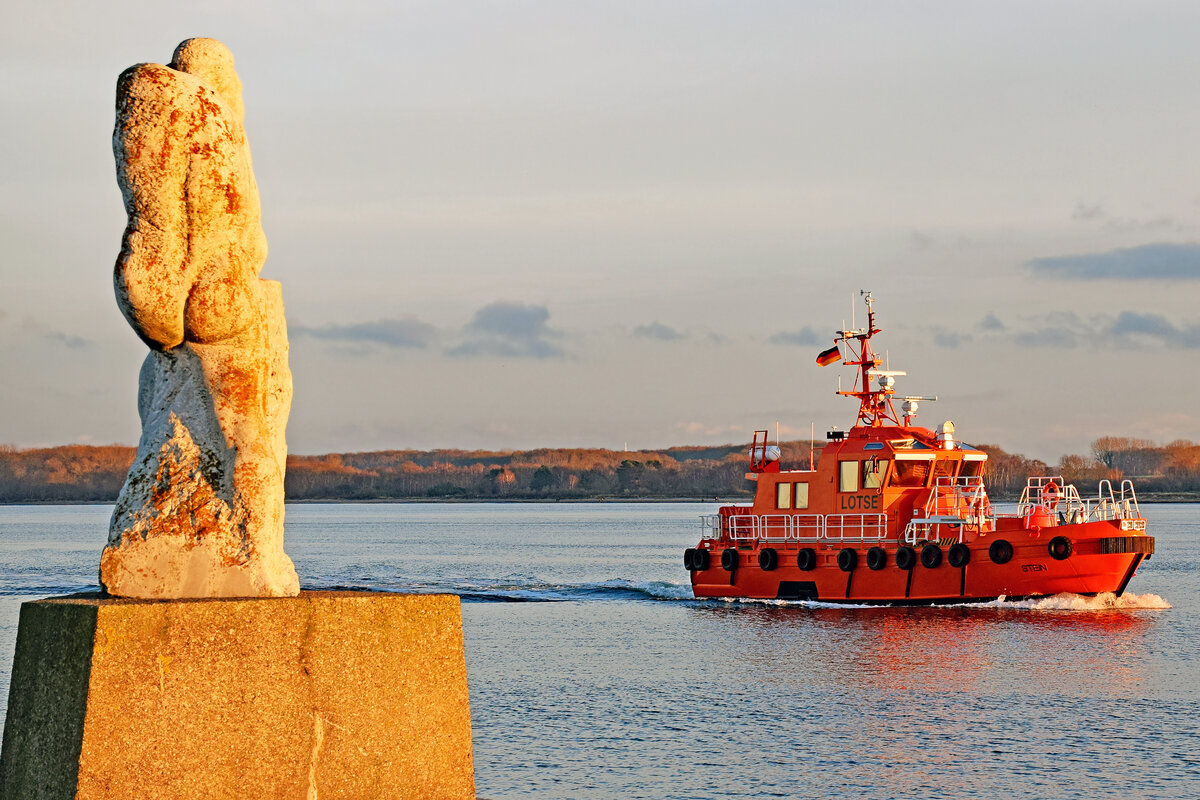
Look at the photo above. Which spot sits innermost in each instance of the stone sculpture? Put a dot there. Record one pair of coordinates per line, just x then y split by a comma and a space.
201, 512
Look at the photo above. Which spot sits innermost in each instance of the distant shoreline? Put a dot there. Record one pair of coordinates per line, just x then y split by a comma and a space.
90, 474
433, 500
1183, 497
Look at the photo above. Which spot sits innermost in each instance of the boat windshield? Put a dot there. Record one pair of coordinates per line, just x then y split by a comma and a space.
971, 469
910, 473
944, 468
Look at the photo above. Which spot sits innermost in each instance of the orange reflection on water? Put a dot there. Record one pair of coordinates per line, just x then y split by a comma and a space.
976, 649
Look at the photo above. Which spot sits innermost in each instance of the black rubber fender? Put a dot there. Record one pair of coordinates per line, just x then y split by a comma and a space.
768, 558
877, 558
959, 555
906, 558
1000, 551
931, 556
847, 559
688, 556
700, 560
806, 559
729, 559
1060, 548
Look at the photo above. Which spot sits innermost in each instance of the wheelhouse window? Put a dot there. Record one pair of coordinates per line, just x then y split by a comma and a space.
873, 472
801, 495
944, 468
971, 469
848, 478
909, 474
783, 495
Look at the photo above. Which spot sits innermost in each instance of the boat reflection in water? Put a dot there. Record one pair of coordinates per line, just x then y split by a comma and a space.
1001, 646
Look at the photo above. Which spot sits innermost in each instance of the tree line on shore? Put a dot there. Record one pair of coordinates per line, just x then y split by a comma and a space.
83, 473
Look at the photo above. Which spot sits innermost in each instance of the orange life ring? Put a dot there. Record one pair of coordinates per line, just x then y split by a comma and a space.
1050, 496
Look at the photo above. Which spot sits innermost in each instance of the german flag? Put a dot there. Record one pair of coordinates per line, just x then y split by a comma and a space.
829, 356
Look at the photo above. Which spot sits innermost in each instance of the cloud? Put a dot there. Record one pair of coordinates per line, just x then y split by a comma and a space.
990, 323
950, 339
805, 337
1131, 323
1128, 329
69, 340
1158, 261
1131, 328
1096, 212
1062, 329
394, 333
511, 330
656, 330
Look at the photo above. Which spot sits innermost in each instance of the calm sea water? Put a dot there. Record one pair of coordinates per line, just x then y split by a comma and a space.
594, 675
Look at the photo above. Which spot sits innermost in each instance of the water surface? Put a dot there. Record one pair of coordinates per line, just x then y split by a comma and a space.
593, 674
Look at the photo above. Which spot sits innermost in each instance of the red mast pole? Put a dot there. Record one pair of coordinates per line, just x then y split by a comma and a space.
874, 406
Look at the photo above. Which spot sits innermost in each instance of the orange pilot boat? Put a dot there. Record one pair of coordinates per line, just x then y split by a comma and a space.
893, 513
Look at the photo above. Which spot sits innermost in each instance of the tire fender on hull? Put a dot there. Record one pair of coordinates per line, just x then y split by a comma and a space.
877, 558
768, 558
1060, 548
847, 559
729, 559
1000, 551
806, 559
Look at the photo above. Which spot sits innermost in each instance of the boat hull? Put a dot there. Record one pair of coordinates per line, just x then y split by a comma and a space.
1102, 558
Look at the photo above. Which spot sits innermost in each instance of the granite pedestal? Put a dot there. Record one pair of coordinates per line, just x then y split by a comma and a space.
325, 695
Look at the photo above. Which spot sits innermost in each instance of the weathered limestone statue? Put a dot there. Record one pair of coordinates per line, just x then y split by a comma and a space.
201, 512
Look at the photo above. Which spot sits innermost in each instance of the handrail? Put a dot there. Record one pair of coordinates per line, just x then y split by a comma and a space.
875, 523
1070, 507
964, 497
794, 527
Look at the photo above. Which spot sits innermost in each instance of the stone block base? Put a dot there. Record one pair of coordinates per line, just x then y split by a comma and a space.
325, 695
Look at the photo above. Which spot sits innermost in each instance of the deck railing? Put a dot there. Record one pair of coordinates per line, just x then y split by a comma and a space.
953, 505
779, 528
1063, 500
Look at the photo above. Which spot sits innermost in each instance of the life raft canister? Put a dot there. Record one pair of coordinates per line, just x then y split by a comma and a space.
959, 555
1037, 517
931, 556
906, 558
847, 559
876, 558
806, 559
1000, 551
1060, 548
729, 559
768, 558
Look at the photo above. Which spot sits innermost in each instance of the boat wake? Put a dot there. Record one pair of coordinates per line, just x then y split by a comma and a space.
1107, 601
1066, 602
552, 593
517, 591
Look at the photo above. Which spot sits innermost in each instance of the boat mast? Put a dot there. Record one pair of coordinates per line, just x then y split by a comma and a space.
874, 405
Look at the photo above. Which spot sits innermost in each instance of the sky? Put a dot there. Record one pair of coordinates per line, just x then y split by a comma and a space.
608, 224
